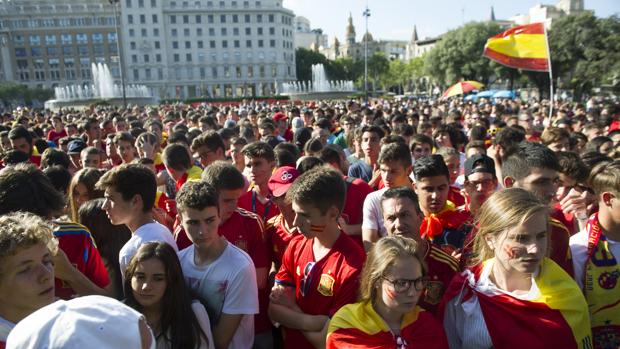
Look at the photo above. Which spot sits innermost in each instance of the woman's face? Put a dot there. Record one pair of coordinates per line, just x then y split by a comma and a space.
443, 140
148, 282
398, 292
521, 249
80, 195
26, 282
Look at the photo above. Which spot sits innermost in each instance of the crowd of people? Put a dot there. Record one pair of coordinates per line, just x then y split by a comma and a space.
331, 224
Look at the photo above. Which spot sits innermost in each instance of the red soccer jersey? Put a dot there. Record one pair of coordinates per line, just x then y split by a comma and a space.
75, 240
245, 230
441, 269
54, 136
455, 196
565, 218
278, 237
327, 284
357, 190
250, 202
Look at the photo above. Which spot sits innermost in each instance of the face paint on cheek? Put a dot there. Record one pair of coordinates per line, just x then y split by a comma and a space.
317, 228
510, 251
390, 294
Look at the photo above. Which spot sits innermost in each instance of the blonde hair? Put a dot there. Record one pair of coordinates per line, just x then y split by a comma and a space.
606, 177
505, 209
20, 230
381, 257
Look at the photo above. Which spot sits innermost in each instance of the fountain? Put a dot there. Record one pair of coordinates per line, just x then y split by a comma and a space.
318, 88
103, 88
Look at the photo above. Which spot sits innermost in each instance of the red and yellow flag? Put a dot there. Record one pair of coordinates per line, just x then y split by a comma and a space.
522, 47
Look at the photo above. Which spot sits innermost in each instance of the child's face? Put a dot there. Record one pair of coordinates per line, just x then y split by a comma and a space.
91, 161
126, 151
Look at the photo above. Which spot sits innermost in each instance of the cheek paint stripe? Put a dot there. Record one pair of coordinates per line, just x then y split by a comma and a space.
391, 294
317, 227
511, 252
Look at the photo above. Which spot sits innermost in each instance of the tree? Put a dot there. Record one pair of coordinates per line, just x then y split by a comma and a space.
12, 93
304, 59
458, 55
585, 51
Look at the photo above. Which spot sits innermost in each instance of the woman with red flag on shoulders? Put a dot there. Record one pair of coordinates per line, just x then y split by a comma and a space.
387, 315
513, 295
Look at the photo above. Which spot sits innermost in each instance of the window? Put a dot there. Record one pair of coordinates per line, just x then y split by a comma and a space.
128, 3
238, 72
246, 4
36, 51
147, 74
35, 40
98, 49
132, 45
198, 31
248, 43
274, 71
272, 43
211, 32
248, 31
224, 31
226, 71
174, 32
200, 44
236, 31
247, 18
157, 45
272, 31
222, 18
156, 32
67, 50
186, 31
111, 38
175, 45
153, 3
136, 74
214, 72
142, 19
50, 39
271, 19
146, 58
210, 18
235, 18
130, 19
69, 62
140, 3
132, 33
143, 32
134, 59
160, 74
175, 58
259, 18
173, 19
52, 51
260, 43
203, 73
185, 19
236, 43
188, 44
22, 64
188, 57
82, 50
224, 44
212, 44
259, 31
155, 19
158, 57
198, 19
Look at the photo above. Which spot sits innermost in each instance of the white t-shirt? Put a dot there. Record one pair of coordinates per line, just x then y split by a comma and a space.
226, 285
149, 232
579, 252
373, 215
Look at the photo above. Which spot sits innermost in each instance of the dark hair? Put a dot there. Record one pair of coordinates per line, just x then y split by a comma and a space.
430, 166
478, 133
53, 157
374, 129
302, 136
285, 158
402, 193
223, 176
14, 157
395, 152
59, 176
313, 146
20, 132
123, 137
175, 156
593, 158
321, 187
210, 139
23, 187
176, 303
292, 148
259, 150
452, 132
331, 154
518, 164
197, 196
595, 143
508, 138
572, 166
109, 238
421, 138
178, 137
309, 162
131, 180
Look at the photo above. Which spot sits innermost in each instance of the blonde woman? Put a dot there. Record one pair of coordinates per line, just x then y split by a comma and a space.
387, 315
512, 294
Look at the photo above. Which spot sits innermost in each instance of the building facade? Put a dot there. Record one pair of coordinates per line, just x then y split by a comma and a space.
306, 37
205, 48
54, 43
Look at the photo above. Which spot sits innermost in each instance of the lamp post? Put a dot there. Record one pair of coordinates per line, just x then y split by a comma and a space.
119, 50
366, 14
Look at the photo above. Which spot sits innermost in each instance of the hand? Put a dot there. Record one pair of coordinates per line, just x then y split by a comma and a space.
146, 150
575, 203
283, 296
62, 266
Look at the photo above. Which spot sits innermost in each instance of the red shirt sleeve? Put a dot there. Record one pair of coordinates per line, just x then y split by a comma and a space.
259, 251
95, 269
286, 276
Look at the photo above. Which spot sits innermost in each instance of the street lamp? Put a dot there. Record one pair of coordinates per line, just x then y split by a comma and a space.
119, 50
366, 14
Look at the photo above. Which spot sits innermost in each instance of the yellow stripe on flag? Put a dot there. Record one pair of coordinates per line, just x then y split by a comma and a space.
521, 46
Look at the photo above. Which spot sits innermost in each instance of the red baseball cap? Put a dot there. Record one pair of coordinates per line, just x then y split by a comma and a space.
279, 116
282, 179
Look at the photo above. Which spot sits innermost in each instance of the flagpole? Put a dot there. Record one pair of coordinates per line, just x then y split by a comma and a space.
550, 74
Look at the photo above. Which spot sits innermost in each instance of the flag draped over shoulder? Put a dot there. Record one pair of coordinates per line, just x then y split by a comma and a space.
557, 319
357, 326
522, 47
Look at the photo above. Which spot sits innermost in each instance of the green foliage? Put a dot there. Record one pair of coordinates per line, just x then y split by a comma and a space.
14, 93
304, 59
585, 51
458, 55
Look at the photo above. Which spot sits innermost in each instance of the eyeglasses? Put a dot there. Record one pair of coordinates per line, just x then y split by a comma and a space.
404, 285
304, 284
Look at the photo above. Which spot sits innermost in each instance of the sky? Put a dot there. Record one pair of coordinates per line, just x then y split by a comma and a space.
394, 19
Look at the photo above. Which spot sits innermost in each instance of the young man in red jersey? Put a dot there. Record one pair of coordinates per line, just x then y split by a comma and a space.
279, 230
320, 268
261, 160
402, 216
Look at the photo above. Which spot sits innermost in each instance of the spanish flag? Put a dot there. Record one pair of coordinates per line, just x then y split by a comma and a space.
357, 326
522, 47
558, 318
